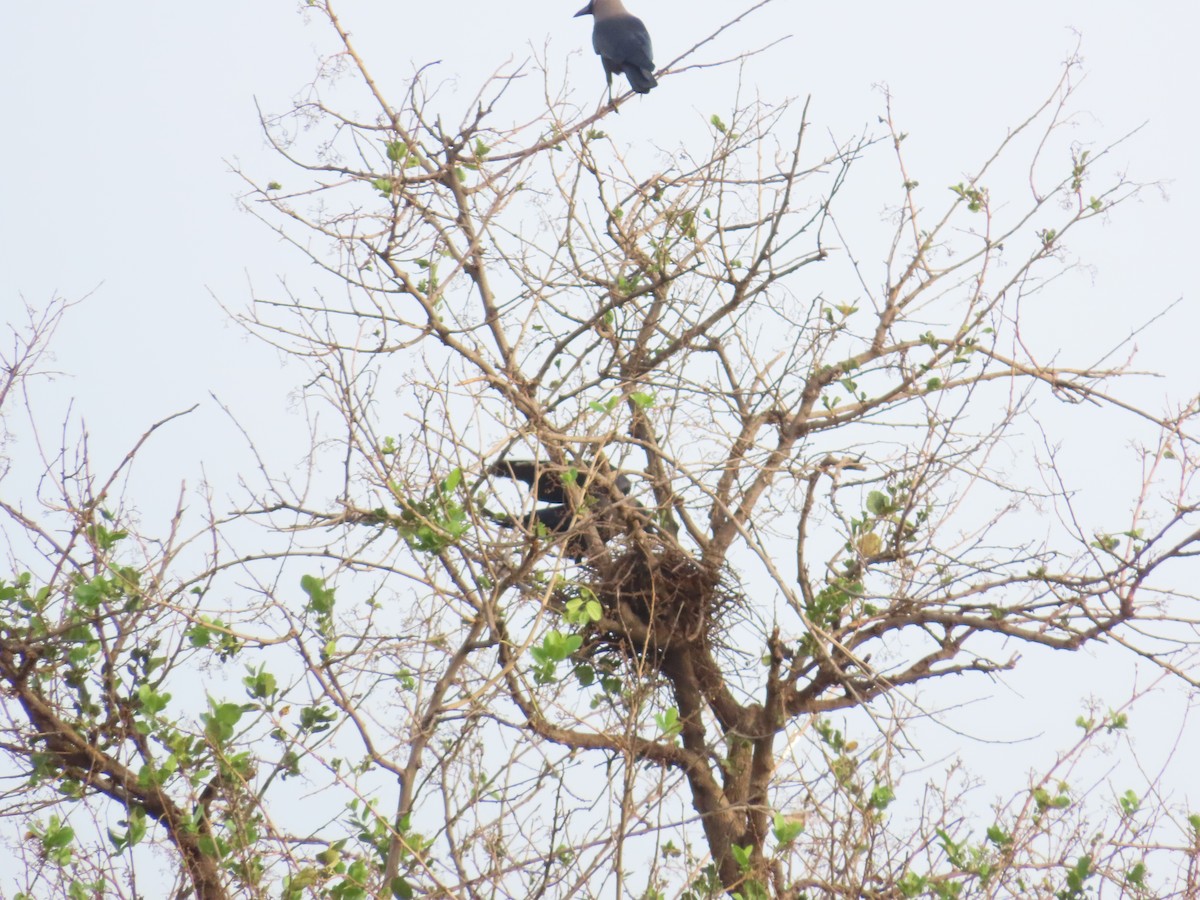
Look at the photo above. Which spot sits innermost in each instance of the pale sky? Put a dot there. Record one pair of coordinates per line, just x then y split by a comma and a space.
121, 119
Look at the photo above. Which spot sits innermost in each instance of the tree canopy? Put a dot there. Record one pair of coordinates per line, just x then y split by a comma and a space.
803, 479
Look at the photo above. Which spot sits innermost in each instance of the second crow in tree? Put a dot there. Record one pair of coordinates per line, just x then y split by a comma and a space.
545, 482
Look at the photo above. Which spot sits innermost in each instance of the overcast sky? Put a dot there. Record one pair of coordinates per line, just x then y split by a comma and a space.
121, 120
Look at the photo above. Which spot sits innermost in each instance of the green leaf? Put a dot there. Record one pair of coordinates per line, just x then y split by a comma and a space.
668, 722
260, 684
912, 884
955, 852
555, 648
103, 538
220, 720
882, 796
86, 890
976, 198
320, 598
1077, 875
999, 836
295, 884
452, 481
315, 719
432, 524
1136, 876
558, 646
55, 838
1129, 803
150, 701
58, 836
135, 829
91, 594
396, 151
584, 609
786, 828
870, 544
741, 855
1045, 800
878, 503
752, 890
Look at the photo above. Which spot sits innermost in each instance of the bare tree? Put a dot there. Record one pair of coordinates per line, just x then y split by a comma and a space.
639, 473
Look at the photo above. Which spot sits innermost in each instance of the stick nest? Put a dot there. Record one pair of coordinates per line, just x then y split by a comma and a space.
657, 600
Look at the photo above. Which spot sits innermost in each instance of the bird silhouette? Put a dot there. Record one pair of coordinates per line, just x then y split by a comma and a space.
546, 483
623, 44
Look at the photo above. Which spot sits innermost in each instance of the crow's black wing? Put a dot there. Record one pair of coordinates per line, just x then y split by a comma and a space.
624, 44
544, 482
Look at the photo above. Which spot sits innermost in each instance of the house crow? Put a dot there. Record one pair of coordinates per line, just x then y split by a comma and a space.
623, 44
545, 482
544, 478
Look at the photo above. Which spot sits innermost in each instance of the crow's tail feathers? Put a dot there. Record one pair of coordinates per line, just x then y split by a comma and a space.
641, 80
554, 519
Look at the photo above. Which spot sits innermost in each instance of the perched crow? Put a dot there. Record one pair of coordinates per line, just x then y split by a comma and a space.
623, 44
543, 477
545, 482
